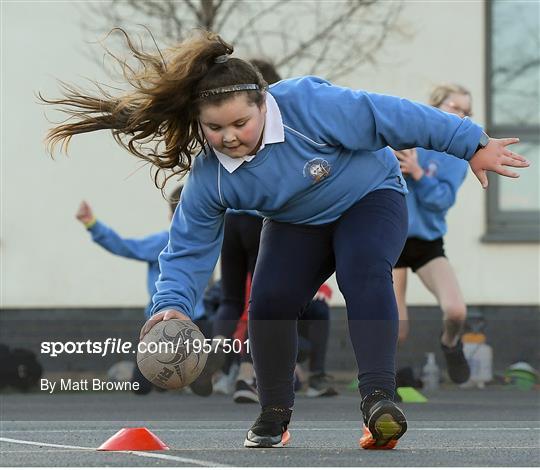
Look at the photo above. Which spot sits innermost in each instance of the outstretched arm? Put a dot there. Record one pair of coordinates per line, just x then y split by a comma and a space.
359, 120
142, 249
195, 238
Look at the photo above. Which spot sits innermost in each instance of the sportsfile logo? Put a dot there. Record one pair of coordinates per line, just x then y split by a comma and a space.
178, 345
109, 346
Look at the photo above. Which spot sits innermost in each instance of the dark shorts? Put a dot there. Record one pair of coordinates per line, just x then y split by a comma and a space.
418, 252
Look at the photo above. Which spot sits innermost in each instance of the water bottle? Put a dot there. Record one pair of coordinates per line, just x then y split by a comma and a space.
431, 374
479, 355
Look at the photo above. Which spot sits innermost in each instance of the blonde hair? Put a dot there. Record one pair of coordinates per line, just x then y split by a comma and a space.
441, 92
157, 120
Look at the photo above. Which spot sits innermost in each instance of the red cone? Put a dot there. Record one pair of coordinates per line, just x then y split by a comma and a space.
133, 439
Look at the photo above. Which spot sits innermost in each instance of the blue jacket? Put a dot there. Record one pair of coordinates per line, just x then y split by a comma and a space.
335, 152
142, 249
431, 197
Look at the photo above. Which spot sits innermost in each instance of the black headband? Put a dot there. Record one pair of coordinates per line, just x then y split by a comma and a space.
229, 89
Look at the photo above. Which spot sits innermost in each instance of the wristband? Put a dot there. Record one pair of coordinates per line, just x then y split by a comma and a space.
91, 223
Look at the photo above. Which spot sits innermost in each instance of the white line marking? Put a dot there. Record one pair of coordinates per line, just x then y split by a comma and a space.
474, 429
206, 463
408, 430
202, 463
355, 449
40, 451
44, 444
462, 449
244, 429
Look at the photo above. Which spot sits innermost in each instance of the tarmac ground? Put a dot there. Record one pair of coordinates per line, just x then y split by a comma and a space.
495, 426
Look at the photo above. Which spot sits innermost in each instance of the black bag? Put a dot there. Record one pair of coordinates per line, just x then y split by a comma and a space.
5, 366
19, 368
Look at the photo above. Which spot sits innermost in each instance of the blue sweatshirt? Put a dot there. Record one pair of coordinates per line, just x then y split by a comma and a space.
142, 249
431, 197
334, 153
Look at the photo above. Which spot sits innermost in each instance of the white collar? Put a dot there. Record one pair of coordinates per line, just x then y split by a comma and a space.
273, 134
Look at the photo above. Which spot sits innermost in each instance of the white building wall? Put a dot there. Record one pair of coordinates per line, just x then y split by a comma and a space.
47, 259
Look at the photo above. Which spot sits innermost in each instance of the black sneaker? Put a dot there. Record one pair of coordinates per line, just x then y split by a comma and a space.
270, 428
456, 363
202, 386
384, 422
397, 396
245, 392
319, 386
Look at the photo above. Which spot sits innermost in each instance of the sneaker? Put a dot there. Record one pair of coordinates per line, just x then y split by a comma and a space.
219, 383
224, 384
245, 392
397, 396
270, 428
384, 422
456, 363
319, 386
202, 386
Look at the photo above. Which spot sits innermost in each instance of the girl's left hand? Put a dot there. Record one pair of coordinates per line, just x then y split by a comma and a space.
496, 157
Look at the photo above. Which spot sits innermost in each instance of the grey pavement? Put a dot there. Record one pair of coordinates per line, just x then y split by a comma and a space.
491, 427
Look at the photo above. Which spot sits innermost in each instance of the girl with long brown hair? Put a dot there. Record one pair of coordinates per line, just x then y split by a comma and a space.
313, 159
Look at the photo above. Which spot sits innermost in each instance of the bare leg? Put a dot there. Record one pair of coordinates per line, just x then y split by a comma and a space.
439, 277
400, 290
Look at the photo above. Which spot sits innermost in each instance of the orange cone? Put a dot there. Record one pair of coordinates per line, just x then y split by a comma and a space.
133, 439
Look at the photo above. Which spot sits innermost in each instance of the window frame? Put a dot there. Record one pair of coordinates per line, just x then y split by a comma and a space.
510, 226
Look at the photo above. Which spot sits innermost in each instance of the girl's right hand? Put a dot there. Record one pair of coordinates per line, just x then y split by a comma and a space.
161, 316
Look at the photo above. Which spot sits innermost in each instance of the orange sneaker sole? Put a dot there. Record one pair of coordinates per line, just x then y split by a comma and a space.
285, 438
367, 441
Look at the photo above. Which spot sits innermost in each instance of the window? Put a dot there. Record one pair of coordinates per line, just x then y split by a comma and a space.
513, 109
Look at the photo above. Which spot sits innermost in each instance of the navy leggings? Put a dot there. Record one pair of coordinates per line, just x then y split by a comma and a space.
361, 246
238, 258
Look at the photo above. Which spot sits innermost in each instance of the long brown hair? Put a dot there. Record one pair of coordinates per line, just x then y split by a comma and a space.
157, 120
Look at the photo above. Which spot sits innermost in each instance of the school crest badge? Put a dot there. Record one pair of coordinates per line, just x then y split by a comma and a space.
317, 169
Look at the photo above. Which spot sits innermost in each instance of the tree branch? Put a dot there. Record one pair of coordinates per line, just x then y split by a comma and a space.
231, 6
335, 38
255, 18
319, 35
